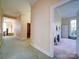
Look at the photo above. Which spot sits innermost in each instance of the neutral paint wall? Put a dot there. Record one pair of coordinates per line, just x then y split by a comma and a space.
17, 28
41, 25
0, 24
65, 27
0, 16
21, 25
23, 33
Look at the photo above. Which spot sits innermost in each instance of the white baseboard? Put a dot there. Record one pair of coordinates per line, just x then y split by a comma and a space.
41, 50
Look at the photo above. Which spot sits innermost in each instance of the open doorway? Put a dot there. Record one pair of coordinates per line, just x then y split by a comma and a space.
65, 31
28, 30
8, 26
64, 45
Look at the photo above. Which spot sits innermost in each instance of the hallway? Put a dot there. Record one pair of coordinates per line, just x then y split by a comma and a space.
15, 49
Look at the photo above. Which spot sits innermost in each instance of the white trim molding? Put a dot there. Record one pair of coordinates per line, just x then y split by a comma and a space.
77, 46
40, 49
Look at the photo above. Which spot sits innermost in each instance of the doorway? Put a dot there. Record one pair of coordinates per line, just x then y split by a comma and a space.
8, 26
64, 47
28, 30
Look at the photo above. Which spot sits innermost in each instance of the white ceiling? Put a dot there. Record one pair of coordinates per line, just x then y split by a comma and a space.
68, 10
32, 1
14, 7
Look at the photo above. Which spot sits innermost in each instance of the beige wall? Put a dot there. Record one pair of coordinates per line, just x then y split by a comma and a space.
0, 24
41, 24
21, 25
23, 33
66, 24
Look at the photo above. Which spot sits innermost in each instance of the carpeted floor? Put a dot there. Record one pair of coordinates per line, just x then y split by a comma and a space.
66, 49
16, 49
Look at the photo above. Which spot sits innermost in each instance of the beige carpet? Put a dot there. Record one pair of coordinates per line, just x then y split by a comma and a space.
66, 49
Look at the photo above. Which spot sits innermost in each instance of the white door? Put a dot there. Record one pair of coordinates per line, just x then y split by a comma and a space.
78, 33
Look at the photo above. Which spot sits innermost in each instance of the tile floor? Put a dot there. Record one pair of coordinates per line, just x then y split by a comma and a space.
16, 49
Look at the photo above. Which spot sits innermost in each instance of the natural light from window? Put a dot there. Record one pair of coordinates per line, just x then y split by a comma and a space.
73, 28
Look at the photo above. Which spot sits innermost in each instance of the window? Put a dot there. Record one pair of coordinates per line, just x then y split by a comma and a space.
73, 28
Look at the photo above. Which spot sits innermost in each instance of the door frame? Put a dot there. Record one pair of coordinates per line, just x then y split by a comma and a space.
77, 42
52, 24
